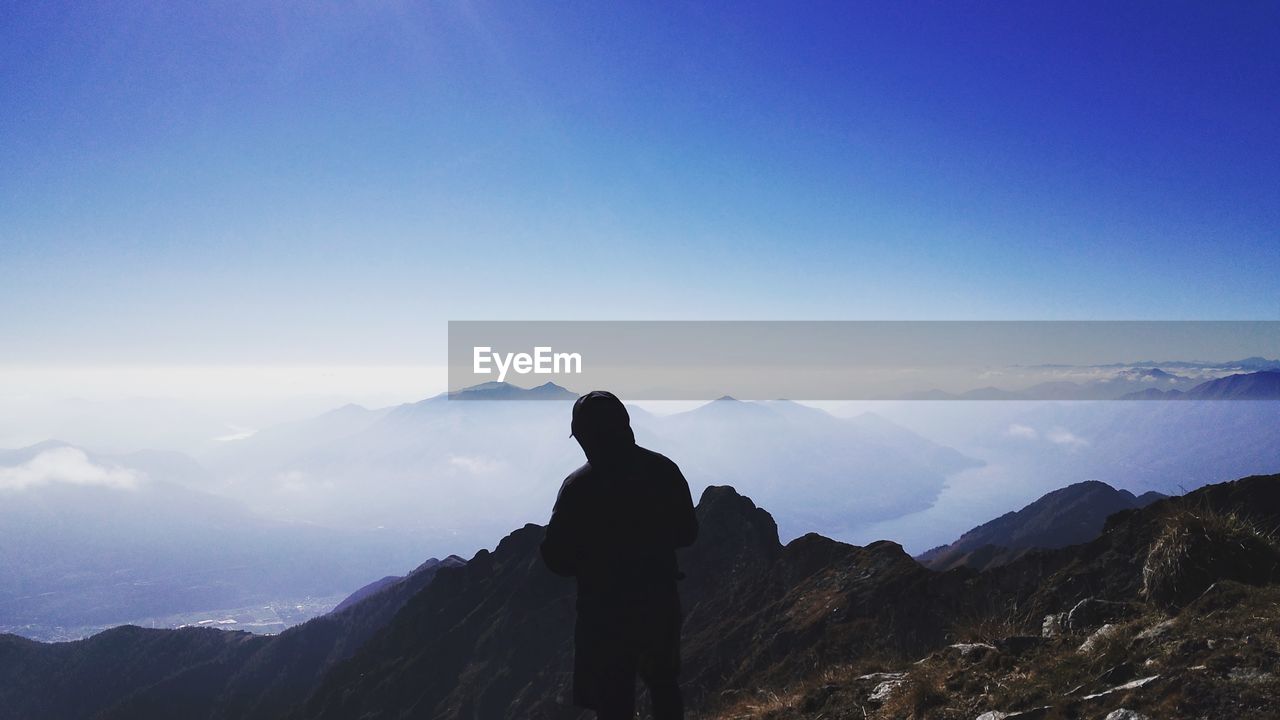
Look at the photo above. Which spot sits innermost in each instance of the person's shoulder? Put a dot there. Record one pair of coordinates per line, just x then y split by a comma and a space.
656, 460
576, 479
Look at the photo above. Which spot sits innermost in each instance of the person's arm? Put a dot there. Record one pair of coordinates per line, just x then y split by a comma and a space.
558, 545
686, 518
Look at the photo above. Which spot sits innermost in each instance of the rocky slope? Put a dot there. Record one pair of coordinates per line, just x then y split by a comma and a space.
1170, 613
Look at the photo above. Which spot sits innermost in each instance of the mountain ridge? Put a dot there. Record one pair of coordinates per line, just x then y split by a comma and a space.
1070, 515
1260, 385
133, 672
491, 638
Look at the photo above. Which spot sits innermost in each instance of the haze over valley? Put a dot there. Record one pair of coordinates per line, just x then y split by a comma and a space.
263, 529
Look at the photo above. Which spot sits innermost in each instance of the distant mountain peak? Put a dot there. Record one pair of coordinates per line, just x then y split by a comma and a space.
350, 407
1154, 372
1257, 362
50, 444
506, 391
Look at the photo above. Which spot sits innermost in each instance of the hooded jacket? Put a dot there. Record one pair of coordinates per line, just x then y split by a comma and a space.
619, 518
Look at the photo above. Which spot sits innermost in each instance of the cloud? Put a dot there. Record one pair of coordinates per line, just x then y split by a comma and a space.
1061, 436
476, 465
238, 433
66, 465
1022, 431
1057, 436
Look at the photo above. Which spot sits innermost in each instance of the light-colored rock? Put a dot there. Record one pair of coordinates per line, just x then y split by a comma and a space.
1052, 625
1032, 714
1249, 675
882, 676
1094, 641
1123, 714
972, 651
884, 690
1092, 612
1157, 631
1134, 685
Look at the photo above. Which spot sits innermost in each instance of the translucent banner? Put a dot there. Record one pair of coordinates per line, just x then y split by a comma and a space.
867, 360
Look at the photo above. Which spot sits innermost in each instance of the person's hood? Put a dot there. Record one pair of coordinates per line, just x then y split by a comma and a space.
602, 426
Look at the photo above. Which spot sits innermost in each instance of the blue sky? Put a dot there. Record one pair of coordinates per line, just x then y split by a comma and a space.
328, 183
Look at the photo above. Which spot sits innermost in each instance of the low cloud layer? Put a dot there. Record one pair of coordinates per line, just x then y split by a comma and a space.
66, 465
1057, 436
476, 465
1022, 431
1061, 436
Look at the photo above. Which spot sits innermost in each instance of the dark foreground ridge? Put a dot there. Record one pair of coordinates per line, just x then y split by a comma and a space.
812, 629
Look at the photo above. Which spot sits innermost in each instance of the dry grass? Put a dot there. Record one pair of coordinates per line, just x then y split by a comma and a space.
1216, 659
764, 705
1198, 547
991, 627
922, 691
796, 700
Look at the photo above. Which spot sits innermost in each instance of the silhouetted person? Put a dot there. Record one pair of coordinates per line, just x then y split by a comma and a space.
616, 526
